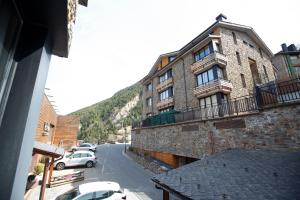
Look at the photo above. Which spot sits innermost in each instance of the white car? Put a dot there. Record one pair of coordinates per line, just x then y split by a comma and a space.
77, 158
85, 146
94, 191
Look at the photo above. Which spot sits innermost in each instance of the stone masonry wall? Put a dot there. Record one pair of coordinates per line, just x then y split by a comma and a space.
274, 128
233, 69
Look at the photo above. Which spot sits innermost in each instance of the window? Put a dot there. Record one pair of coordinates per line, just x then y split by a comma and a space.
167, 109
149, 102
199, 55
260, 52
103, 194
165, 76
76, 155
209, 75
166, 93
243, 80
149, 87
71, 194
171, 58
234, 38
88, 196
250, 45
245, 42
266, 74
238, 58
218, 48
208, 101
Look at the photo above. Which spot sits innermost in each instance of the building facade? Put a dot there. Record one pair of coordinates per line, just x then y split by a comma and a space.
287, 62
224, 62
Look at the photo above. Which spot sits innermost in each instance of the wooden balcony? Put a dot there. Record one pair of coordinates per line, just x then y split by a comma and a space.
208, 61
165, 103
213, 87
164, 85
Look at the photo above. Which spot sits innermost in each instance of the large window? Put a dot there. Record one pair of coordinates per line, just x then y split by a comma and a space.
149, 102
10, 24
199, 55
212, 100
165, 76
149, 87
166, 93
209, 75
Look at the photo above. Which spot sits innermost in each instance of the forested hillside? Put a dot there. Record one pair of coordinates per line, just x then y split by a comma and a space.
106, 117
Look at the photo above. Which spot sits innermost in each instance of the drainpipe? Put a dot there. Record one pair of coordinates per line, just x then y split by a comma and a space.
184, 79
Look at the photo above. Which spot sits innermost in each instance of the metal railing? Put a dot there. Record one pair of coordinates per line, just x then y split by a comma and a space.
279, 92
272, 93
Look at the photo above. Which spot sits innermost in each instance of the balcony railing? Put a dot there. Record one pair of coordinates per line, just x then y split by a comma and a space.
212, 59
165, 84
218, 85
165, 103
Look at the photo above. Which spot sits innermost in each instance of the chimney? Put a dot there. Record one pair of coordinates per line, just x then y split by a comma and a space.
292, 47
284, 47
220, 17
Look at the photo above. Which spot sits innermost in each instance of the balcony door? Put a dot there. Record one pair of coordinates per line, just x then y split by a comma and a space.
254, 72
10, 27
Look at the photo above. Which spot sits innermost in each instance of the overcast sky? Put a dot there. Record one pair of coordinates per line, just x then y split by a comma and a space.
116, 42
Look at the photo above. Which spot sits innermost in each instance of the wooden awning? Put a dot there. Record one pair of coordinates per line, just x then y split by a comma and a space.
47, 150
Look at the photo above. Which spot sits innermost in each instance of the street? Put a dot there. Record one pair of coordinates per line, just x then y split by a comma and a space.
114, 166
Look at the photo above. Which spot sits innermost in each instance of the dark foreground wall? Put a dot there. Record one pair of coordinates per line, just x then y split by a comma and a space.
273, 128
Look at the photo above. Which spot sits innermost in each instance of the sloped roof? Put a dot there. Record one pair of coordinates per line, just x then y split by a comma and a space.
237, 174
229, 25
47, 149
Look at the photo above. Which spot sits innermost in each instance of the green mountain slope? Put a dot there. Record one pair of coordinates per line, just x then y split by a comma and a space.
106, 117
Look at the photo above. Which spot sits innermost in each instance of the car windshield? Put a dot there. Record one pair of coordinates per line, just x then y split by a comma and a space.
69, 195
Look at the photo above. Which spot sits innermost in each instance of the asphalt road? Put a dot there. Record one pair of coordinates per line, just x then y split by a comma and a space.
113, 165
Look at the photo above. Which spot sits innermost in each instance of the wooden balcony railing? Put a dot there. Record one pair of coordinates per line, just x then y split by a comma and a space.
164, 85
212, 59
218, 85
165, 103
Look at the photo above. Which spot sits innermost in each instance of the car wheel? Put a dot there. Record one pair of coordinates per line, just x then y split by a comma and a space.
89, 164
60, 166
73, 150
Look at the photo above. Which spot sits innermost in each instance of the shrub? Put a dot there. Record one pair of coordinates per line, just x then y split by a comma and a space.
130, 148
39, 168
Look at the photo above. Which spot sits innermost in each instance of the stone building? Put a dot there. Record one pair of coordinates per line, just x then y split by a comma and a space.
287, 62
224, 62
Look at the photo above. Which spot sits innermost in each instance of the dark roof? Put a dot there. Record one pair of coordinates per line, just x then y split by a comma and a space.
237, 174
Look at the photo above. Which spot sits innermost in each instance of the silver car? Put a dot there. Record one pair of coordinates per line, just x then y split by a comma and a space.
77, 158
85, 146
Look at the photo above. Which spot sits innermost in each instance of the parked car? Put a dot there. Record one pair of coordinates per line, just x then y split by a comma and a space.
94, 190
85, 146
77, 158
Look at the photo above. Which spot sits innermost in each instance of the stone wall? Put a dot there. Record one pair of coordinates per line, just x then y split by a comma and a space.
233, 69
273, 128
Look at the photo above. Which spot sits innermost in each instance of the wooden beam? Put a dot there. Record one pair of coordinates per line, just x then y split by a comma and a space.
166, 195
43, 186
51, 170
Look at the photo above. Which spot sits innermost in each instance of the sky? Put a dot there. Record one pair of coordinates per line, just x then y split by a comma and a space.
116, 42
